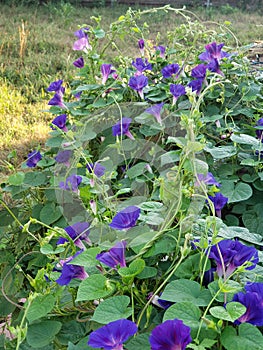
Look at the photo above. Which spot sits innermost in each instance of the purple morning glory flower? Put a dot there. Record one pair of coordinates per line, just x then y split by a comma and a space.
253, 301
219, 202
79, 63
64, 157
70, 271
213, 66
72, 183
97, 169
60, 122
138, 83
141, 64
126, 218
141, 45
207, 179
78, 232
82, 44
55, 86
196, 85
233, 254
170, 70
161, 49
170, 335
199, 72
115, 256
258, 131
122, 128
213, 51
106, 70
33, 158
155, 110
113, 335
57, 100
177, 90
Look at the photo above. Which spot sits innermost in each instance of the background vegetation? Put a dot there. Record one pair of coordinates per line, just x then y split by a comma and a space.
35, 49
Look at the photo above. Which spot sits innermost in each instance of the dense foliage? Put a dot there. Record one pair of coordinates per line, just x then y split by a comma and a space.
139, 225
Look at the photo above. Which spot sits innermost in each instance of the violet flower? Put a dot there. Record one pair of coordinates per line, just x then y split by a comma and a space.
70, 271
207, 179
113, 335
170, 70
115, 256
33, 158
60, 122
126, 218
170, 335
78, 232
141, 46
213, 51
72, 183
199, 72
122, 128
196, 85
138, 83
55, 86
177, 90
155, 110
219, 201
141, 65
161, 50
82, 44
259, 132
106, 70
229, 255
96, 168
57, 100
79, 63
213, 66
253, 301
63, 157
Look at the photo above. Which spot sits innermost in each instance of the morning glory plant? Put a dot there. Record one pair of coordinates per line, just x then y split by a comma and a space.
126, 218
71, 183
60, 122
115, 256
33, 158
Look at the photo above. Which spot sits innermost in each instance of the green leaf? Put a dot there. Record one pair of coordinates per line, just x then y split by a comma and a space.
48, 249
81, 345
87, 258
50, 213
236, 193
99, 33
148, 272
134, 268
185, 311
222, 152
231, 313
94, 287
246, 337
112, 309
40, 307
71, 331
245, 139
151, 206
136, 170
184, 290
141, 341
35, 178
42, 333
16, 179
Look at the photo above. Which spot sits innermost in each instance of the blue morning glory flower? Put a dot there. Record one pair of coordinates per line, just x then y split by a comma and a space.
115, 256
253, 301
138, 83
55, 86
57, 100
219, 201
155, 110
213, 51
72, 183
122, 128
33, 158
234, 254
82, 44
79, 63
177, 90
141, 45
196, 85
106, 70
63, 157
170, 335
70, 271
78, 232
141, 64
96, 168
113, 335
258, 131
207, 179
126, 218
161, 50
60, 122
199, 72
170, 70
213, 66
